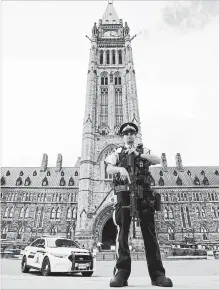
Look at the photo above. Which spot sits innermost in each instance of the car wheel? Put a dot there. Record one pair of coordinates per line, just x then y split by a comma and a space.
87, 274
46, 270
24, 267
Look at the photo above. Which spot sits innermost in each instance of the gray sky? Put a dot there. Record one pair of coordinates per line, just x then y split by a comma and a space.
45, 62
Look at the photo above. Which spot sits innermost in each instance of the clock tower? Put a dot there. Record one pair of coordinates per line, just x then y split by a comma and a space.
111, 100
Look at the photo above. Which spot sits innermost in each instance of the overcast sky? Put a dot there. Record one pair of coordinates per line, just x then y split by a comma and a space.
45, 62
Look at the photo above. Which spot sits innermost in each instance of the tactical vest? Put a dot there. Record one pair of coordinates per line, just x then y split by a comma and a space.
141, 170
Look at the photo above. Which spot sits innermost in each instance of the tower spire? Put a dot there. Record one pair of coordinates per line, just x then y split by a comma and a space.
110, 16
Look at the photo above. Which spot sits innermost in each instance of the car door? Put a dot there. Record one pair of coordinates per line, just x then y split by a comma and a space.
40, 253
31, 253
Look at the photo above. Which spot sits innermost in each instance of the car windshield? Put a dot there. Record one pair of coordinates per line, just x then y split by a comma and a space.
64, 243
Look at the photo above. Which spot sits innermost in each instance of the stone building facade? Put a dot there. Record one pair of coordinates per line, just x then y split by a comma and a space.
78, 201
39, 200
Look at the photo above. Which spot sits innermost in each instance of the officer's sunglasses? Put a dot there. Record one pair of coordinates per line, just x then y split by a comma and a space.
127, 132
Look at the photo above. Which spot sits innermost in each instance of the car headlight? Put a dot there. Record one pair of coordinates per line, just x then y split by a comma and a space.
59, 255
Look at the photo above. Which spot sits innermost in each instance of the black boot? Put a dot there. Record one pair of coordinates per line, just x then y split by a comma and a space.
162, 281
120, 279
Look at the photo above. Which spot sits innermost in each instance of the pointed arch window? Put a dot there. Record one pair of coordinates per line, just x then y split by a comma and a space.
188, 217
179, 199
212, 196
4, 233
182, 197
58, 213
103, 106
62, 173
6, 212
53, 212
76, 173
189, 173
69, 214
197, 196
198, 214
74, 213
21, 173
216, 172
27, 181
45, 181
19, 181
20, 233
26, 213
205, 181
11, 212
166, 214
2, 180
62, 181
196, 181
107, 57
171, 235
179, 181
214, 212
204, 233
171, 215
161, 181
202, 172
194, 196
152, 181
71, 182
101, 57
113, 57
35, 173
175, 172
185, 197
120, 56
161, 173
21, 215
37, 217
183, 217
203, 212
48, 173
8, 173
118, 107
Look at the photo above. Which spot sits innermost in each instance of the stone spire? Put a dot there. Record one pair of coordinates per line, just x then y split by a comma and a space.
59, 163
110, 16
179, 164
44, 163
164, 162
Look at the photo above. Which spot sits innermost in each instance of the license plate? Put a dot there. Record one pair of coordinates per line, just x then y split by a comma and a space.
82, 266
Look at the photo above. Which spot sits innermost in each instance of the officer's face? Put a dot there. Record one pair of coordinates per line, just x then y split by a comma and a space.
129, 137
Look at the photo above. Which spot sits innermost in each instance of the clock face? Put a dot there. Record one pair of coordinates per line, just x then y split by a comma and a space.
110, 34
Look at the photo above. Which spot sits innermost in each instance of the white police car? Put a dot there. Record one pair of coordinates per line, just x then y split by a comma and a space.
57, 254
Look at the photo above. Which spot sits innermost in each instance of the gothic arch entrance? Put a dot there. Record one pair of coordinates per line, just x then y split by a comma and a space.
108, 235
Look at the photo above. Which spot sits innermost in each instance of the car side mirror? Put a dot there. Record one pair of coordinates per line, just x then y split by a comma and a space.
41, 246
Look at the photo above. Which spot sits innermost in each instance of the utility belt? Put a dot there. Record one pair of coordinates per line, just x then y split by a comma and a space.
151, 199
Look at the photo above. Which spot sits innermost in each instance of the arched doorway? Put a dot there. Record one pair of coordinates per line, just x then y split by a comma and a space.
109, 234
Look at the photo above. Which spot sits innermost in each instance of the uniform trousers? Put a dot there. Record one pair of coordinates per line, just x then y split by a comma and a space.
122, 220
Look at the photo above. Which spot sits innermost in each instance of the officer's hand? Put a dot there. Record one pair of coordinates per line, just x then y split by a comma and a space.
124, 174
136, 153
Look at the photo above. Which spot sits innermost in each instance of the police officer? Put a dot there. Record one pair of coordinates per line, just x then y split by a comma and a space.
122, 218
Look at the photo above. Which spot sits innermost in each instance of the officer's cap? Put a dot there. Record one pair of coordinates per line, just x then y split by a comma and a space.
128, 127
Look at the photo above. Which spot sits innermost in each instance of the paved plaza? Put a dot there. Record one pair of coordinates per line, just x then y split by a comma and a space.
196, 274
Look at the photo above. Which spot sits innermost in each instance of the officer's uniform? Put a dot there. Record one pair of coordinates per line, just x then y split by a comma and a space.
122, 220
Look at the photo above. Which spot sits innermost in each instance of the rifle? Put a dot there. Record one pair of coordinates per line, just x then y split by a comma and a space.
136, 188
136, 192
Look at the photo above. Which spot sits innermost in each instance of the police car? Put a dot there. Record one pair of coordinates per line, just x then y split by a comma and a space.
57, 254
